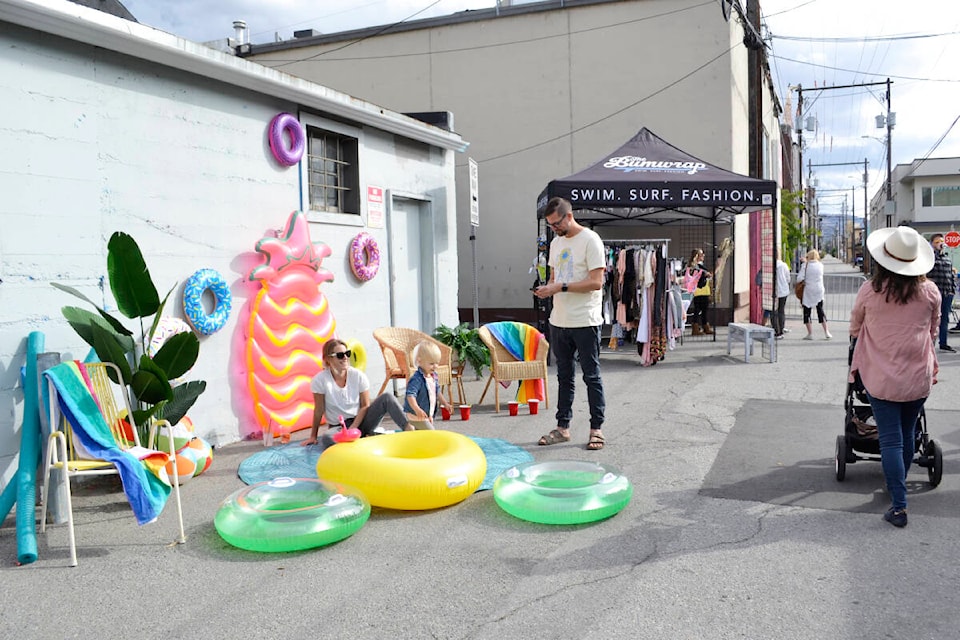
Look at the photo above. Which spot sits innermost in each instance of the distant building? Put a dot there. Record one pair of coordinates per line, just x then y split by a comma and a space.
926, 195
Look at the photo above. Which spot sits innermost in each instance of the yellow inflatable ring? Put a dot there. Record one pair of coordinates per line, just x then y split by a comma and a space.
358, 355
409, 470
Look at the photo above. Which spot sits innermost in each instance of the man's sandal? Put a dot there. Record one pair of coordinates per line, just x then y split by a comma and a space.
553, 438
596, 442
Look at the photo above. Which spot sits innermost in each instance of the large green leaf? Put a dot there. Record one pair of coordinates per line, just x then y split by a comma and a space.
178, 354
142, 416
116, 324
150, 383
82, 322
107, 345
184, 396
158, 316
130, 281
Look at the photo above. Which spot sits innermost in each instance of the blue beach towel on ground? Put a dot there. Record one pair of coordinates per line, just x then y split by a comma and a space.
146, 493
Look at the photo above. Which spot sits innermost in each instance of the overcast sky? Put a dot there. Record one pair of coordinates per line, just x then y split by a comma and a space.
815, 43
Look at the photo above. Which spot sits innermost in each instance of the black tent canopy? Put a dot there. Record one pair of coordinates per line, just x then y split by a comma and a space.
649, 181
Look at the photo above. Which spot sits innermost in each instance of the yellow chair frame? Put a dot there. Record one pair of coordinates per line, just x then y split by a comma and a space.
63, 454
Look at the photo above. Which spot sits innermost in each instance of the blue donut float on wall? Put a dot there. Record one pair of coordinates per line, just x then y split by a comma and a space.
197, 284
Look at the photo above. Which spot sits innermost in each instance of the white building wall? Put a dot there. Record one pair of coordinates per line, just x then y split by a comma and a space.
97, 142
519, 83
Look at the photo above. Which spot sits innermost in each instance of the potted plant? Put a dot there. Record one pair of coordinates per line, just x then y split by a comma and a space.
466, 344
147, 377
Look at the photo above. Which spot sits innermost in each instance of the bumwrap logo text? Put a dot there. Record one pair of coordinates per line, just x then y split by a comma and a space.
629, 164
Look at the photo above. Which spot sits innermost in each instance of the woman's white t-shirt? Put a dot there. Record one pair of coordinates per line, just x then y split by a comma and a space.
339, 401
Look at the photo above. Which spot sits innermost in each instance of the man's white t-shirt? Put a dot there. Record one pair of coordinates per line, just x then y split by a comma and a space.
340, 401
572, 259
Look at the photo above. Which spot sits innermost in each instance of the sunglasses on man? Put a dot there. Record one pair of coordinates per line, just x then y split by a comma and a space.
342, 354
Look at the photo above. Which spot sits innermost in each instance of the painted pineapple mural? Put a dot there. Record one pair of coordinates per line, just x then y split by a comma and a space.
290, 321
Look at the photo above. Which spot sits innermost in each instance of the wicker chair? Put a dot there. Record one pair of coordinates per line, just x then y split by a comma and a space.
397, 345
504, 367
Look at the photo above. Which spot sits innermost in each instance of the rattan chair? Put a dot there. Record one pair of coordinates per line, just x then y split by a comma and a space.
65, 454
397, 345
505, 368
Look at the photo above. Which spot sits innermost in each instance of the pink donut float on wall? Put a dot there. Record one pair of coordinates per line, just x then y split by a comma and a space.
282, 125
364, 256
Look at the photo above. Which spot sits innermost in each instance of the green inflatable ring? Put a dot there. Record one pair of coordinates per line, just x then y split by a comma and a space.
290, 514
562, 491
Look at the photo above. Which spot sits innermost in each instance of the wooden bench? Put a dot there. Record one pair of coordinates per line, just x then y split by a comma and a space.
747, 332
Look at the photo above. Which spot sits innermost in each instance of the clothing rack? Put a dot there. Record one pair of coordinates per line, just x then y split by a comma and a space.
635, 240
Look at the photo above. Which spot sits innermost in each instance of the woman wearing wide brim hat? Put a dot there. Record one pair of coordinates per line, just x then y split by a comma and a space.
895, 321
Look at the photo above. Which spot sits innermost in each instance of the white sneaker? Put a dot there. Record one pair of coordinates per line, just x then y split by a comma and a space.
829, 336
809, 336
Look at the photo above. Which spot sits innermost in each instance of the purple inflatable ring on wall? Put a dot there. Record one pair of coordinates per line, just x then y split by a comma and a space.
287, 122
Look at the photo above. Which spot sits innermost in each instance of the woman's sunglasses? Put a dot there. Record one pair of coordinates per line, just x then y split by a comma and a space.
342, 354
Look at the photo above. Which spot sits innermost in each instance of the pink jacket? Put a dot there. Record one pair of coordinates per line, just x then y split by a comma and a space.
895, 343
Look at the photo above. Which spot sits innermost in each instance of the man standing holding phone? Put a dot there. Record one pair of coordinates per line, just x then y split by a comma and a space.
942, 276
577, 266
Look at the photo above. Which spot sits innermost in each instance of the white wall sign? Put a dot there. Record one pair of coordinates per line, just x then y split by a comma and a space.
375, 207
474, 193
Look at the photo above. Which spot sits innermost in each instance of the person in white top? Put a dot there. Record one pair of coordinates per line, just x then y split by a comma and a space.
779, 319
340, 390
813, 291
577, 265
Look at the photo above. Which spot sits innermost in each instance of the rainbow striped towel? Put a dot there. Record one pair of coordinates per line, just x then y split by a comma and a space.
146, 492
521, 341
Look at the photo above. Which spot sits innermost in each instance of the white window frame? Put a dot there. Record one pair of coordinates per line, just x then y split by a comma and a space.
339, 128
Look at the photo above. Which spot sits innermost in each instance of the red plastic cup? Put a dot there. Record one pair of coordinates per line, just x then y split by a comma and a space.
534, 405
464, 412
444, 413
514, 407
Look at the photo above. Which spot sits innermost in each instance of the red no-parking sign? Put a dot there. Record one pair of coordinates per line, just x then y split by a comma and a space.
952, 239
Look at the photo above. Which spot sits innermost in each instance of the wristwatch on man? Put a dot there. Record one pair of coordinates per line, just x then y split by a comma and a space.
563, 287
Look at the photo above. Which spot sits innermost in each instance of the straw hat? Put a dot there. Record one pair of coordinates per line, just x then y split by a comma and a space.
901, 250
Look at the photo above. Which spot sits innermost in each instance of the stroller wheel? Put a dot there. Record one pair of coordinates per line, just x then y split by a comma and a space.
934, 463
840, 458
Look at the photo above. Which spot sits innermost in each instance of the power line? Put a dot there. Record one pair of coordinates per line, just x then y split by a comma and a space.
610, 115
888, 75
865, 39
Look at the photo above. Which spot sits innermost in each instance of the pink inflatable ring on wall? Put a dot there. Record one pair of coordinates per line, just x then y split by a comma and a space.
287, 123
364, 256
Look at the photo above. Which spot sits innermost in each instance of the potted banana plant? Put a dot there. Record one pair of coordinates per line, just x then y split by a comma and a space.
146, 376
466, 344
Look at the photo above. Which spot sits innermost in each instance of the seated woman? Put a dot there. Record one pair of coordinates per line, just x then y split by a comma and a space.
341, 390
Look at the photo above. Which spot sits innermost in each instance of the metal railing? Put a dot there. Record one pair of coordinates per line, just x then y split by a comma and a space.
840, 293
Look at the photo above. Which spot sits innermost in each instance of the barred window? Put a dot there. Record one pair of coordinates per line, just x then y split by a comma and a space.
332, 173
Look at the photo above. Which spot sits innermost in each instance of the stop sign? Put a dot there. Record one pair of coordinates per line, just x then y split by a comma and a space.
952, 239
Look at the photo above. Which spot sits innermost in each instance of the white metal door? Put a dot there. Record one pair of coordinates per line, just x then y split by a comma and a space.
412, 273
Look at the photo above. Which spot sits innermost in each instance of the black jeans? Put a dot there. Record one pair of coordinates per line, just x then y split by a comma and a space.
584, 344
779, 317
700, 305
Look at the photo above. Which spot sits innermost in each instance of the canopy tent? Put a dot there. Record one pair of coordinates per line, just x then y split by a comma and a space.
649, 181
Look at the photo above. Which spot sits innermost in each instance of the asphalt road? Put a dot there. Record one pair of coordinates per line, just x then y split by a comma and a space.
736, 529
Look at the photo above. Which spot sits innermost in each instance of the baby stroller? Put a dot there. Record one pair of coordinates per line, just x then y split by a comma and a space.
859, 440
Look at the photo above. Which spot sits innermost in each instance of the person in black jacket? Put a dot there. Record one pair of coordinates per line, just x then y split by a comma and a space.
942, 276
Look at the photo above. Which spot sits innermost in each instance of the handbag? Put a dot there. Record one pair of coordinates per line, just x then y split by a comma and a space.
798, 290
702, 291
